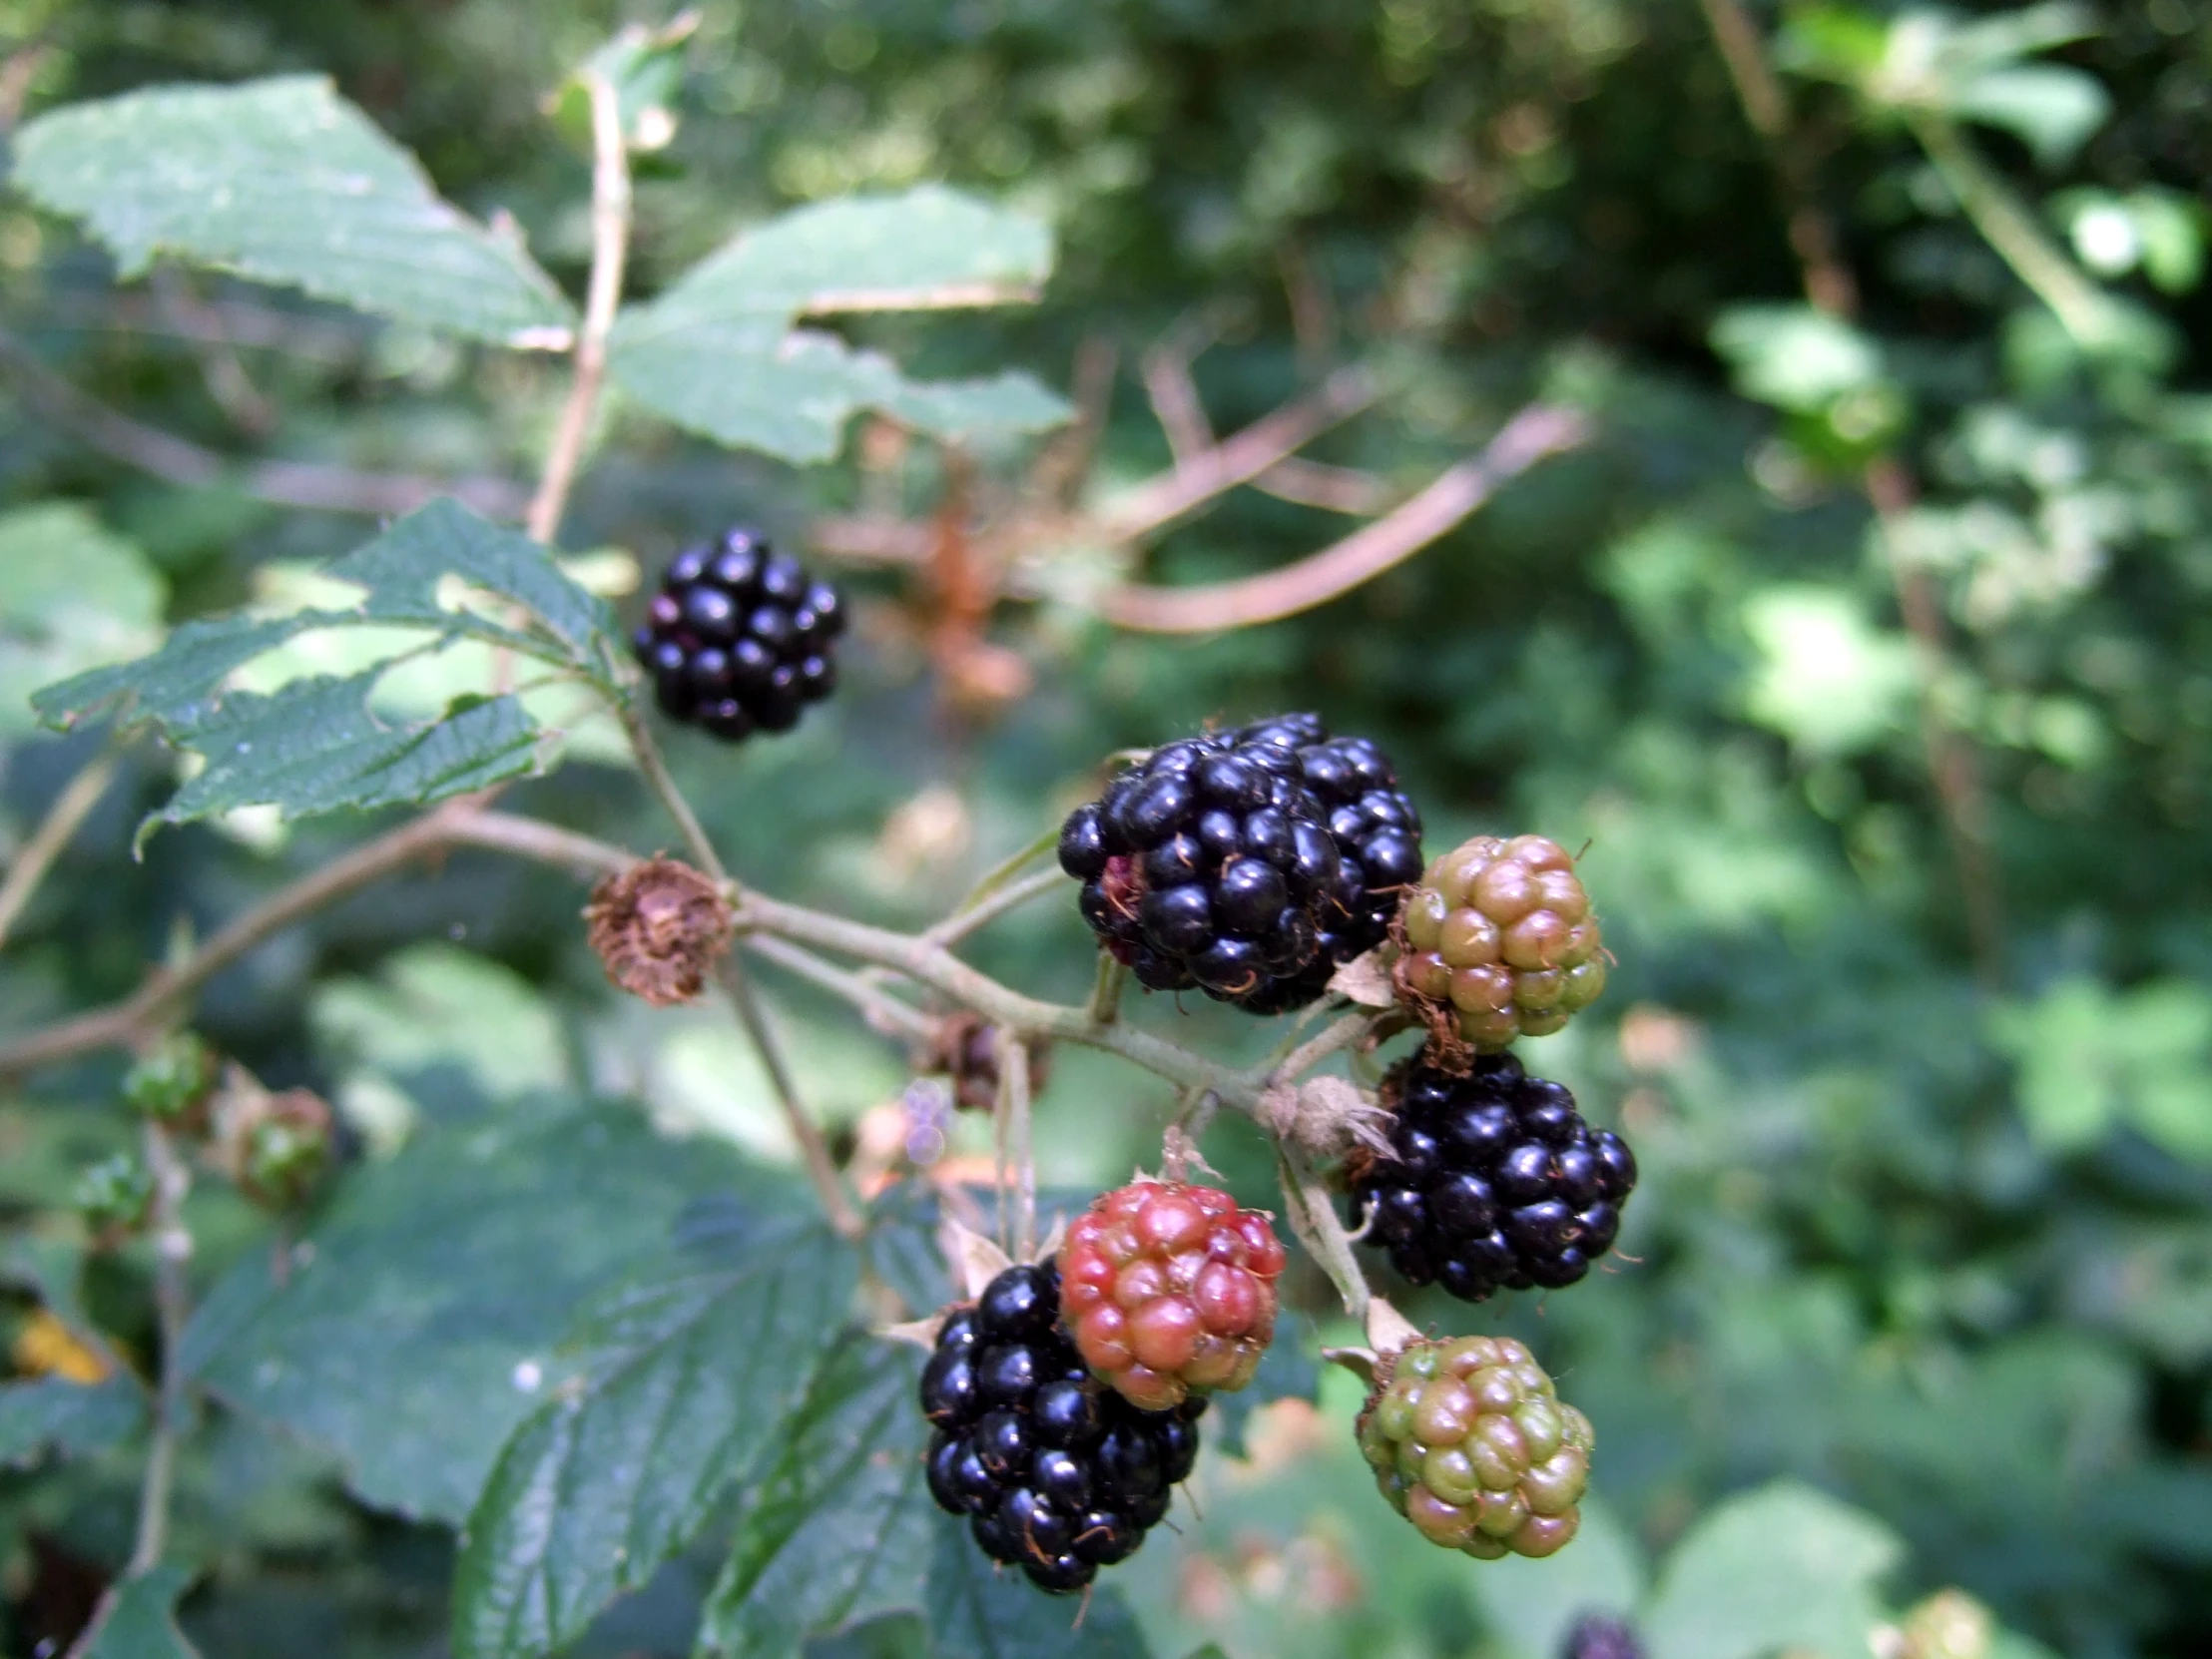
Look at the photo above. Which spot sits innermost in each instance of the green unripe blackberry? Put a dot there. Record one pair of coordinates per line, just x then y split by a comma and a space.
114, 1196
174, 1081
1500, 942
1469, 1442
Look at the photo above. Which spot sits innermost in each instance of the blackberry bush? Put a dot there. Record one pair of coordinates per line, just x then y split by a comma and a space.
740, 638
1169, 1288
1501, 943
1493, 1181
1469, 1442
1056, 1475
1248, 863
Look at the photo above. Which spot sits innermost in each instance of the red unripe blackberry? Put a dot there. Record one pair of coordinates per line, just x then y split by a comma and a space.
1500, 942
1249, 864
740, 638
1169, 1288
1469, 1442
1056, 1474
1495, 1181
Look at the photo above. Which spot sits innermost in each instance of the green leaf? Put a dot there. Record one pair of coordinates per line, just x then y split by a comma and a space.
68, 1418
284, 182
840, 1529
719, 352
977, 1611
416, 1326
73, 597
1784, 1567
2052, 109
1793, 356
686, 1380
319, 744
143, 1622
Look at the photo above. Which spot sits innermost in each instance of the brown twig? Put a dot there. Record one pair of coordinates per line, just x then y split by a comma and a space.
315, 485
1952, 763
1537, 431
62, 821
610, 243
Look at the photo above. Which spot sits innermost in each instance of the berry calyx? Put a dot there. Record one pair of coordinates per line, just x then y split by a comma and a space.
1499, 944
172, 1083
1056, 1475
1169, 1288
659, 928
1469, 1441
739, 639
1495, 1181
1248, 863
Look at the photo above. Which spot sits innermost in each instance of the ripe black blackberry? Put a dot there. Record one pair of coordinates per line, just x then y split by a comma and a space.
1249, 864
1057, 1475
739, 639
1496, 1182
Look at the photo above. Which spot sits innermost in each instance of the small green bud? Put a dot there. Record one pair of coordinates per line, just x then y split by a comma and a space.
170, 1084
115, 1195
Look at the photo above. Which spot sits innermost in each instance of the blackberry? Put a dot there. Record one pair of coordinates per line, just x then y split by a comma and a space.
1170, 1288
739, 637
1056, 1474
1501, 943
1494, 1183
1248, 863
1468, 1442
1594, 1636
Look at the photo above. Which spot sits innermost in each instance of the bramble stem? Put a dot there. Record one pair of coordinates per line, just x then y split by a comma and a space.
1013, 897
1313, 1218
663, 784
821, 1168
1105, 1006
877, 1007
610, 245
172, 1303
1013, 1112
62, 821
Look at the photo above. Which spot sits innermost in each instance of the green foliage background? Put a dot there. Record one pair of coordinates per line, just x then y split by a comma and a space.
1925, 1225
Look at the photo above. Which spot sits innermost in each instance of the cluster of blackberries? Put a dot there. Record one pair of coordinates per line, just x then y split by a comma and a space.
1057, 1475
1249, 864
739, 638
1495, 1182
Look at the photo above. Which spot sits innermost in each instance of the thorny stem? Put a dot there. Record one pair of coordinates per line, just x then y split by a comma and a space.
1313, 1218
821, 1168
610, 244
62, 821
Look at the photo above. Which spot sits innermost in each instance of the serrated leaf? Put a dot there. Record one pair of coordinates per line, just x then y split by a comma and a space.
719, 352
977, 1611
418, 1324
1783, 1567
70, 1420
687, 1380
842, 1528
142, 1624
314, 747
283, 180
73, 595
317, 745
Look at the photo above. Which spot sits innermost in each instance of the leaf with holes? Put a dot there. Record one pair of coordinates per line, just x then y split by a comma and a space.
73, 595
719, 352
687, 1379
282, 181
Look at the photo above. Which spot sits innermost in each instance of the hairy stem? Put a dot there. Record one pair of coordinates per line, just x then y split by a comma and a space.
610, 245
1105, 1006
1013, 1112
987, 910
813, 1151
62, 821
1313, 1218
879, 1007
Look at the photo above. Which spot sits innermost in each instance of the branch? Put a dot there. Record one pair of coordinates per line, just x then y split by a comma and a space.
315, 485
62, 819
821, 1168
1012, 896
172, 1302
610, 243
663, 784
1236, 460
1537, 431
879, 1007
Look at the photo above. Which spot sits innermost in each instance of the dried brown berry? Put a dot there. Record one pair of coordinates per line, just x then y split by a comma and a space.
1498, 942
965, 1049
659, 926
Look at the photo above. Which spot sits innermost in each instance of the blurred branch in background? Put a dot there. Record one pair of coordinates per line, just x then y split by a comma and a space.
1953, 767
